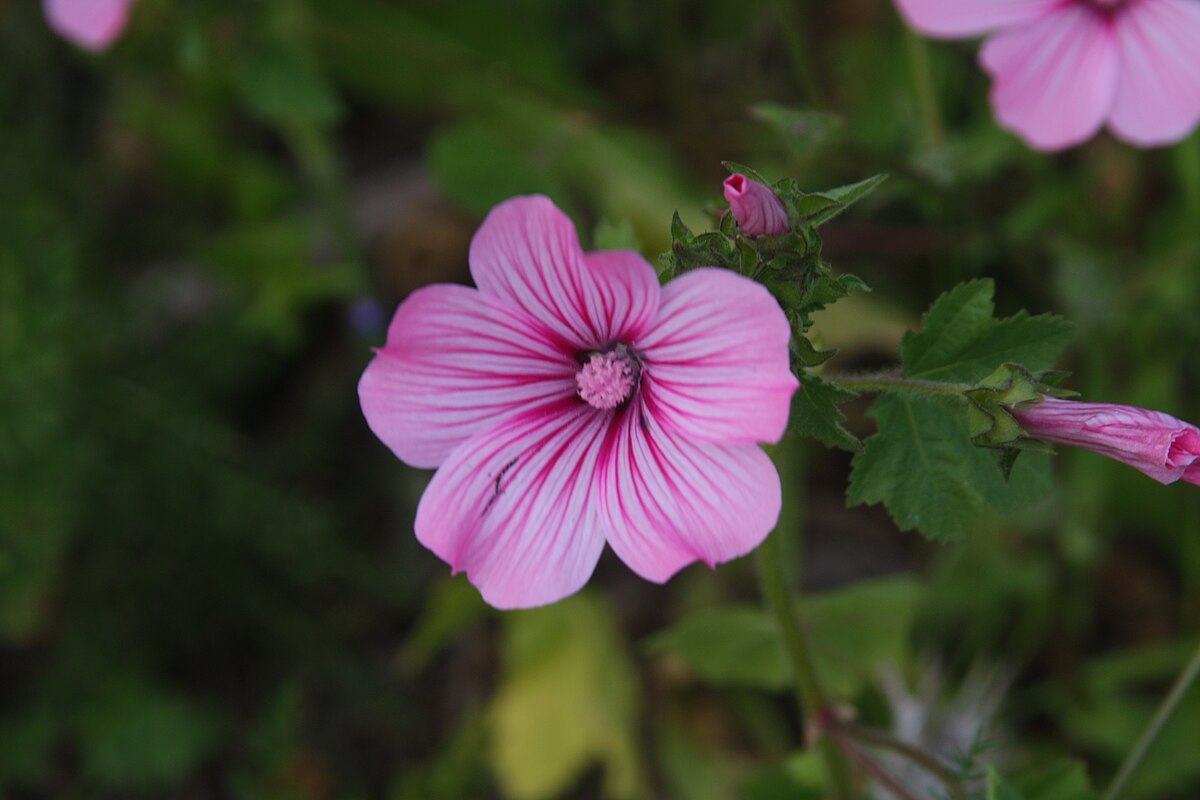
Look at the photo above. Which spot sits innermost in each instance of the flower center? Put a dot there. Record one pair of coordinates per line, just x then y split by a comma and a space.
607, 379
1106, 6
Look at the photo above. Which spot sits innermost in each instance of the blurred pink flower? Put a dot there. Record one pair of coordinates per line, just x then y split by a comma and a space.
755, 207
1061, 69
1159, 445
91, 24
570, 400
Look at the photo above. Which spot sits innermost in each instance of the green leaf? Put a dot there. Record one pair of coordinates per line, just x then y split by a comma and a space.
922, 464
858, 628
849, 638
135, 734
961, 341
924, 468
815, 413
802, 130
477, 168
728, 645
281, 86
568, 699
615, 235
453, 606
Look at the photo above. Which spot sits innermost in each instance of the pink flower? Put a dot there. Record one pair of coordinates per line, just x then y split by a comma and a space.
570, 400
755, 207
1061, 69
1159, 445
91, 24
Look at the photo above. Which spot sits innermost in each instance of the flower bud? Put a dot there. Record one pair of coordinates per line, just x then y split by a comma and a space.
1165, 448
755, 207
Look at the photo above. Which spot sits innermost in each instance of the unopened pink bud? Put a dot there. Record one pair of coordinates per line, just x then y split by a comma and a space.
755, 207
1165, 448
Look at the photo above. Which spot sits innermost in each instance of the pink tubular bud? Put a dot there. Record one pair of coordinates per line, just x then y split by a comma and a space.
1165, 448
755, 207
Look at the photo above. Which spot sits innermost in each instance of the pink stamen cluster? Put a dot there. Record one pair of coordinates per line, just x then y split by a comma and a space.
606, 380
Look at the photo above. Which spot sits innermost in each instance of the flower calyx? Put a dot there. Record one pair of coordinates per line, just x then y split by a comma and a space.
988, 410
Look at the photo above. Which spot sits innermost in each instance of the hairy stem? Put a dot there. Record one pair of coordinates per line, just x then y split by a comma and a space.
1164, 712
781, 603
883, 382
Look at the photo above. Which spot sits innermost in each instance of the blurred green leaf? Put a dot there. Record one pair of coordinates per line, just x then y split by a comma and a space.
477, 168
691, 770
568, 698
851, 631
615, 235
281, 86
1063, 780
453, 606
728, 644
802, 130
137, 735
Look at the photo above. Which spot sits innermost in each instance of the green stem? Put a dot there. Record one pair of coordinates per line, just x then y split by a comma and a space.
1187, 167
923, 84
1164, 712
793, 31
806, 684
914, 754
878, 382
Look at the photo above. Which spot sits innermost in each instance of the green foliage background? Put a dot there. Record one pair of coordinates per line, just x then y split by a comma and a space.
208, 582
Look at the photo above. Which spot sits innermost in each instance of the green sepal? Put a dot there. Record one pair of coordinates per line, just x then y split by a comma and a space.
817, 208
988, 411
742, 169
806, 354
989, 401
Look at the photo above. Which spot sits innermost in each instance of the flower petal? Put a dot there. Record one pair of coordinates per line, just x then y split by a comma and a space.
455, 364
666, 500
513, 507
1158, 91
91, 24
526, 253
717, 359
961, 18
1055, 78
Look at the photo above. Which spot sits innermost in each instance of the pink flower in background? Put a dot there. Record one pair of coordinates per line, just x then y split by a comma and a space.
91, 24
1159, 445
1062, 69
569, 401
755, 207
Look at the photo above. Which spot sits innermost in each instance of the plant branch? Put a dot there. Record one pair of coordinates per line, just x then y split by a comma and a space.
781, 603
883, 382
1154, 728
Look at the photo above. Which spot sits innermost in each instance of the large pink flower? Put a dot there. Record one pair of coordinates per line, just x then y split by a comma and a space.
1165, 448
91, 24
570, 400
1062, 69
